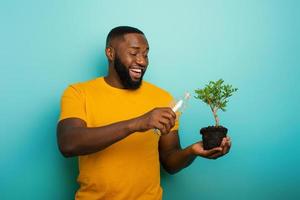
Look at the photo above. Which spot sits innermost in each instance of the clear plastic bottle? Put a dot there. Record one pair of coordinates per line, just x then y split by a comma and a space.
178, 107
181, 104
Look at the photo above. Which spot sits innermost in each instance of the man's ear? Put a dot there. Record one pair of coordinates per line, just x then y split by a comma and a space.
110, 53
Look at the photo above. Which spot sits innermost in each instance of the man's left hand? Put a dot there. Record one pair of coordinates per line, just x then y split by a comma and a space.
212, 153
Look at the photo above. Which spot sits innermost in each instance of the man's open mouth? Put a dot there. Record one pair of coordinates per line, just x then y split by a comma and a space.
135, 73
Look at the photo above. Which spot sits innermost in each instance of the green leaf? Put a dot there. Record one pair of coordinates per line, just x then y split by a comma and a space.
216, 94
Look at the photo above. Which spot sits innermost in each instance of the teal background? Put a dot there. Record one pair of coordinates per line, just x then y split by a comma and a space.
254, 45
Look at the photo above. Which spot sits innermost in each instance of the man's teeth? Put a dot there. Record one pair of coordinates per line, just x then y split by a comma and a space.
136, 70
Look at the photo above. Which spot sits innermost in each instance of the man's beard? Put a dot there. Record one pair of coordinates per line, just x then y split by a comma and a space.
124, 76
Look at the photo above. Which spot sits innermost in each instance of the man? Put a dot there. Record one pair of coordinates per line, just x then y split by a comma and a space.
111, 124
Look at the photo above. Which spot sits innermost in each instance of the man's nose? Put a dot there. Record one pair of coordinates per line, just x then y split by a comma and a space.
142, 61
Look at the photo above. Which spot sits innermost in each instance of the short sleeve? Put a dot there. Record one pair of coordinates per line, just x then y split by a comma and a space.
171, 103
176, 126
73, 104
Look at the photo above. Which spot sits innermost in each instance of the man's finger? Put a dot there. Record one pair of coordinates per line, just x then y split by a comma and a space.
224, 141
169, 111
227, 146
170, 122
160, 127
172, 113
229, 141
169, 116
213, 151
165, 123
216, 155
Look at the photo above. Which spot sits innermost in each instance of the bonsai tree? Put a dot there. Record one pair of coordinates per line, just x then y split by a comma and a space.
215, 95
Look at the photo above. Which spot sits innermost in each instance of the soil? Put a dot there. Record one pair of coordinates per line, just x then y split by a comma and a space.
212, 136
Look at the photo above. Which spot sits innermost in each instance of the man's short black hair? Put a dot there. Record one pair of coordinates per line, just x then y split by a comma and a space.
120, 31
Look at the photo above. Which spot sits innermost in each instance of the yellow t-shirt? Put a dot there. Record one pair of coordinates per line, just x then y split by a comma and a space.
129, 169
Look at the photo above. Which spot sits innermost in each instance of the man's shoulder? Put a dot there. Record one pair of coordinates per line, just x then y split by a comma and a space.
85, 84
82, 88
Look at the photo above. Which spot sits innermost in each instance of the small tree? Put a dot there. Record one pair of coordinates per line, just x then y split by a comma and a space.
215, 94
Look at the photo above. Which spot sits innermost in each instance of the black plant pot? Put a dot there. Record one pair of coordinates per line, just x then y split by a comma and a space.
212, 136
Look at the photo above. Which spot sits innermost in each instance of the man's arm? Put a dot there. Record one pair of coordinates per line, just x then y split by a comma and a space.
173, 158
75, 138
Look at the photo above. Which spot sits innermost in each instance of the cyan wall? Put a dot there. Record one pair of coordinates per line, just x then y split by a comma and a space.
254, 45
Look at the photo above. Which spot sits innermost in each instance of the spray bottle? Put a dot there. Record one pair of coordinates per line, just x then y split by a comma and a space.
179, 106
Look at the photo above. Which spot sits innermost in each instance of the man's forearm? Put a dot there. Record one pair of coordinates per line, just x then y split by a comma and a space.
178, 159
83, 140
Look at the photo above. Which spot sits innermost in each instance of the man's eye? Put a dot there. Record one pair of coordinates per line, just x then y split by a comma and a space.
133, 53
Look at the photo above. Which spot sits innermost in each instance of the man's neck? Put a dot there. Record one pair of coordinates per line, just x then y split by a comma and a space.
113, 82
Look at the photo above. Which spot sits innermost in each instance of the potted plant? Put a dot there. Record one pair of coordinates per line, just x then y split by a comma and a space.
215, 95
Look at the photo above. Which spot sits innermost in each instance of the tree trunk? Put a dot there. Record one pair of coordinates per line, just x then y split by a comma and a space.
216, 117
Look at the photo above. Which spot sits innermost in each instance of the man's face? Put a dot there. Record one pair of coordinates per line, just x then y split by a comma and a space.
131, 60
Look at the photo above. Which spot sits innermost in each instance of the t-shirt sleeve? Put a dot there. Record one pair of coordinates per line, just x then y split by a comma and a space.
171, 103
176, 126
73, 104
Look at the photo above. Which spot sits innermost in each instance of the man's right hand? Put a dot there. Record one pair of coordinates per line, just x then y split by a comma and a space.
158, 118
